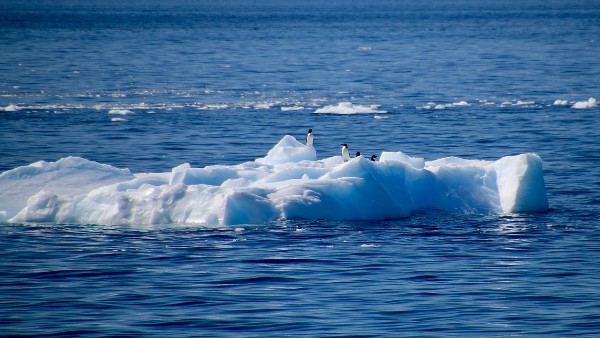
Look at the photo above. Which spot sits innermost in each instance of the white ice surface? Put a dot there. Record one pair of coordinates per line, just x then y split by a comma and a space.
348, 108
590, 103
289, 182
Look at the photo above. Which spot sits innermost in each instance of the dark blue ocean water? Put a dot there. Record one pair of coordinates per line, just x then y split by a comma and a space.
221, 83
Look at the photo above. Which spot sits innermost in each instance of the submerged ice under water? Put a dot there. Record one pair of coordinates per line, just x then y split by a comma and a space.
288, 183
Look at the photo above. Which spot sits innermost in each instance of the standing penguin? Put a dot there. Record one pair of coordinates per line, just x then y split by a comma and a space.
345, 154
309, 138
357, 154
374, 158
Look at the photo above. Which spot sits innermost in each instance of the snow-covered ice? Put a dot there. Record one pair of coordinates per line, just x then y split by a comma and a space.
289, 182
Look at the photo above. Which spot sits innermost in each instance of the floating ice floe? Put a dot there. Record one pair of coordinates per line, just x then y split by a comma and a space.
10, 108
433, 105
590, 103
292, 108
348, 108
264, 105
211, 107
561, 103
289, 182
120, 112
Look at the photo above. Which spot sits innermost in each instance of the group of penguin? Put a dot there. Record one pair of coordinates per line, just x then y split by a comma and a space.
345, 151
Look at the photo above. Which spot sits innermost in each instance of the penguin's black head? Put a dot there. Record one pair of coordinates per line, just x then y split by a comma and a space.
345, 145
310, 130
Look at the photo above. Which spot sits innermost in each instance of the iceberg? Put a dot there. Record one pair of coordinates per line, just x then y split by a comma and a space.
288, 183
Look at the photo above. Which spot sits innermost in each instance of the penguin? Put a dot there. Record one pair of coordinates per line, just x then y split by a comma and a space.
358, 154
309, 138
345, 154
373, 158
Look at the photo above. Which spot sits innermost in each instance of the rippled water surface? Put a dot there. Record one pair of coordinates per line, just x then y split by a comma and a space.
147, 86
434, 275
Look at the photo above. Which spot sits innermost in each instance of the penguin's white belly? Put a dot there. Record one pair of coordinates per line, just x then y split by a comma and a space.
309, 140
345, 155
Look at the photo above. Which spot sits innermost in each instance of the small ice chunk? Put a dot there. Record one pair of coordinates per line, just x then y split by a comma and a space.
561, 103
120, 112
292, 108
590, 103
348, 108
10, 108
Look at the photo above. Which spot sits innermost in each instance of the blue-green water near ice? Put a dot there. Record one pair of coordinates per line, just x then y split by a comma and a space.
148, 85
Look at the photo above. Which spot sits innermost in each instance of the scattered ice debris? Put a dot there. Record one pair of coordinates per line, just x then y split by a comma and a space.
348, 108
263, 105
120, 112
290, 104
10, 108
292, 108
517, 103
211, 107
433, 105
524, 103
